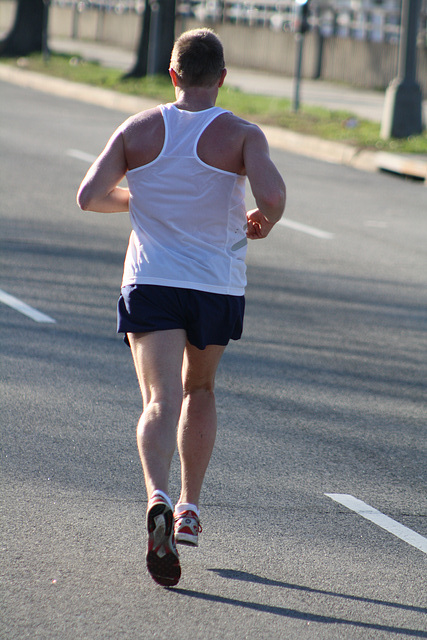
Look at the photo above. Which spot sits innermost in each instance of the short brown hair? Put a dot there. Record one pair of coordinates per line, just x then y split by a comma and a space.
198, 58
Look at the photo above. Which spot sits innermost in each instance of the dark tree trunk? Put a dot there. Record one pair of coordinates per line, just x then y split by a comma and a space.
157, 39
166, 35
139, 69
29, 31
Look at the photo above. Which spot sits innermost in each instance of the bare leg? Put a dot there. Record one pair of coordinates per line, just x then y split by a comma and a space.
158, 362
197, 423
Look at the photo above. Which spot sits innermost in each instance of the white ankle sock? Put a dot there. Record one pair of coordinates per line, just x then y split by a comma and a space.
186, 506
163, 495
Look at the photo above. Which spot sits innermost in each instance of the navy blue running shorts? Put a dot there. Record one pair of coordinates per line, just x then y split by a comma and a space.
207, 318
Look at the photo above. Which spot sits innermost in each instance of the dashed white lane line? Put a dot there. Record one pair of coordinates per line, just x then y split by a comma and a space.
383, 521
24, 308
305, 228
81, 155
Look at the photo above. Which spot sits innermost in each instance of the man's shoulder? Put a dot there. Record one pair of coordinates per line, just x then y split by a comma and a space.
144, 130
143, 118
143, 126
238, 124
237, 120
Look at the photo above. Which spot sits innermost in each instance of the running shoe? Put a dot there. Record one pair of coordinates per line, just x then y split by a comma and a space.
187, 528
162, 556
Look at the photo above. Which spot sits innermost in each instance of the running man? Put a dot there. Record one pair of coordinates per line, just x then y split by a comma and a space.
182, 296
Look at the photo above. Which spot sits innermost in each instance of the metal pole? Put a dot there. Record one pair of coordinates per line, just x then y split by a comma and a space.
402, 116
45, 44
299, 39
153, 41
408, 40
75, 24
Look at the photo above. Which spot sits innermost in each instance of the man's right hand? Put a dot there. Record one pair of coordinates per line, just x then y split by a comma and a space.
258, 225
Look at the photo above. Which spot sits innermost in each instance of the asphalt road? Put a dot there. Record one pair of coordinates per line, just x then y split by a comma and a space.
325, 394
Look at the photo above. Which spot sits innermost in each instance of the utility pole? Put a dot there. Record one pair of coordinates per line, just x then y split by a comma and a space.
154, 39
45, 43
402, 115
302, 28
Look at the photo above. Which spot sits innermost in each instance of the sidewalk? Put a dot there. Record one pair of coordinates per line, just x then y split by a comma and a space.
365, 104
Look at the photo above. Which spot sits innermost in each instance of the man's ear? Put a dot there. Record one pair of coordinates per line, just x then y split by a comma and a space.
173, 76
222, 78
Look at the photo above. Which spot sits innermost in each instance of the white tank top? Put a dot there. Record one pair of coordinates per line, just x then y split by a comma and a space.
188, 218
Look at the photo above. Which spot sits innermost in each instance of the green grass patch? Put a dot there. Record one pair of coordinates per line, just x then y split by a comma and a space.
315, 121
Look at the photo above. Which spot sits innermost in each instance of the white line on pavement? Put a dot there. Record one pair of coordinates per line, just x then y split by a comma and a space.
24, 308
81, 155
305, 228
390, 525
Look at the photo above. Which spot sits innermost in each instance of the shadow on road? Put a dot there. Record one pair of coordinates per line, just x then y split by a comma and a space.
294, 613
244, 576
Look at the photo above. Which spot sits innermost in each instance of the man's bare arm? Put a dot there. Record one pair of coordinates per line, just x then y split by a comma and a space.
99, 190
266, 183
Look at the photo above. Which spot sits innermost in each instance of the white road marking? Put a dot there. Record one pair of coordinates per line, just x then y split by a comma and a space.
81, 155
305, 228
390, 525
24, 308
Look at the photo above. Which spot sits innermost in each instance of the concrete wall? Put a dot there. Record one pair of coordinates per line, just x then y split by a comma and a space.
373, 64
7, 14
370, 65
92, 24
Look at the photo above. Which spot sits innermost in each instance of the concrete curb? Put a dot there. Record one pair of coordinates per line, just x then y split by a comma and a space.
403, 165
74, 90
309, 146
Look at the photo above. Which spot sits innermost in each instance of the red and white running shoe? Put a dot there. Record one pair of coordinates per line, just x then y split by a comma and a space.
187, 528
162, 556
